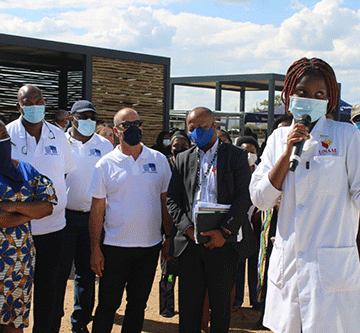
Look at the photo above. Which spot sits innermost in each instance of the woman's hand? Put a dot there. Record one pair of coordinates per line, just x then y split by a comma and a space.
277, 175
31, 209
9, 220
298, 133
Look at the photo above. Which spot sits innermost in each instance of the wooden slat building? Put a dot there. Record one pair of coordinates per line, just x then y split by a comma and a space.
66, 73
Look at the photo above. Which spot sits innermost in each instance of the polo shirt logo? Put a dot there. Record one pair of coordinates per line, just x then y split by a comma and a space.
326, 150
95, 152
51, 150
150, 168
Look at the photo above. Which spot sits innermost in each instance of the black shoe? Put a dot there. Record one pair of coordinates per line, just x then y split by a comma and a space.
82, 329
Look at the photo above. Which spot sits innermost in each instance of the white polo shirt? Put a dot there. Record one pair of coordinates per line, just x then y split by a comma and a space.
132, 189
51, 156
85, 156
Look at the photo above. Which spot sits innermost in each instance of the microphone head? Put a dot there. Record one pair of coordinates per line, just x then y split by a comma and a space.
305, 119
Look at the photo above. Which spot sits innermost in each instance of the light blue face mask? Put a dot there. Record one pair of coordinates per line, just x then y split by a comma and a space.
86, 127
315, 108
357, 125
34, 113
166, 142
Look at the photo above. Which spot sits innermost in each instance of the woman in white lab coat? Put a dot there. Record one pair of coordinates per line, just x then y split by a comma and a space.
314, 272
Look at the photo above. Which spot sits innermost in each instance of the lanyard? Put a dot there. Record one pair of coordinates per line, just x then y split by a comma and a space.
198, 184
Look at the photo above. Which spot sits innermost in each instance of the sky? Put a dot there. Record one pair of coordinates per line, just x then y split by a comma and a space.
205, 37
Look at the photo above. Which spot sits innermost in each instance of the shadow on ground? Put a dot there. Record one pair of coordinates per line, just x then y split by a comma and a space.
244, 320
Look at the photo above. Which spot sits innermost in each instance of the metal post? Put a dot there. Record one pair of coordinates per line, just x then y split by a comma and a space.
242, 109
271, 100
63, 89
218, 96
166, 111
87, 77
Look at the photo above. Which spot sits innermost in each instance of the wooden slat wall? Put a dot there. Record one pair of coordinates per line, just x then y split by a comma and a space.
11, 79
124, 83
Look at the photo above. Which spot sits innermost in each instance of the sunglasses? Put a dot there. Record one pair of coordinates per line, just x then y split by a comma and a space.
127, 124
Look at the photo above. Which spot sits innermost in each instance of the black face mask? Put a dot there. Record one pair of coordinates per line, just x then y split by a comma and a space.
179, 150
132, 136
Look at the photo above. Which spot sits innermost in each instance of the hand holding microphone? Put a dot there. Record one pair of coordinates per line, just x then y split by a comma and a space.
305, 119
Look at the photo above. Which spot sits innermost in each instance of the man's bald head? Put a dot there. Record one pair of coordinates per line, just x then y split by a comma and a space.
29, 95
202, 118
203, 112
27, 91
125, 114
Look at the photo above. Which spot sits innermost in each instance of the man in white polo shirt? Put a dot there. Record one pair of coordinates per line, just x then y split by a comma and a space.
45, 147
87, 148
128, 187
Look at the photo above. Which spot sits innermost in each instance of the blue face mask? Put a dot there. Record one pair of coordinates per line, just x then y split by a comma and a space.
86, 127
166, 142
315, 108
357, 125
201, 137
34, 113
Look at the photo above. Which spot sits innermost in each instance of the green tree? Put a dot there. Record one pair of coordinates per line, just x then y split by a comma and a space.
263, 106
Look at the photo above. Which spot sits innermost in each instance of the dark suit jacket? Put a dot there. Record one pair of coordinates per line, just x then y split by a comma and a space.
233, 178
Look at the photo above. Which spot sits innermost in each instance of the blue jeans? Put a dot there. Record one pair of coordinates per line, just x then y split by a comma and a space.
77, 250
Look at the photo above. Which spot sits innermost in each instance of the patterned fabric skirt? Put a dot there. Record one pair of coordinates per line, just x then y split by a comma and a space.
17, 259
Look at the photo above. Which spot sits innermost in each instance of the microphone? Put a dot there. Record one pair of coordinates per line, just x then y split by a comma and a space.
305, 119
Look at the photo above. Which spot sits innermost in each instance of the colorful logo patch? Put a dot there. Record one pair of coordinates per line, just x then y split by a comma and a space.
326, 149
326, 144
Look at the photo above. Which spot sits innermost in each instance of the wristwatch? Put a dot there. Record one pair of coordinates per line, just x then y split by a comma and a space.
225, 234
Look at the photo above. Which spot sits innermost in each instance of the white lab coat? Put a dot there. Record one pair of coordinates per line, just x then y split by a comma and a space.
314, 272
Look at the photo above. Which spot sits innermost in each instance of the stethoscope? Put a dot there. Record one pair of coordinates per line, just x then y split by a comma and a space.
24, 149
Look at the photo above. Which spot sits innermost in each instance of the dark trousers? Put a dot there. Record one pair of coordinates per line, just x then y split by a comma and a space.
76, 249
201, 269
48, 249
130, 268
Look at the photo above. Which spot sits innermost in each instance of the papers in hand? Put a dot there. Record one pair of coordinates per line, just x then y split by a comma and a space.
209, 216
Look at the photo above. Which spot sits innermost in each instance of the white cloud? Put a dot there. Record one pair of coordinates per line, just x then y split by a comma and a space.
30, 4
45, 28
133, 28
317, 29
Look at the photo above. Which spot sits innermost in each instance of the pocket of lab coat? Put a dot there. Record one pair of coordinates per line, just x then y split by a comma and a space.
339, 268
326, 173
276, 267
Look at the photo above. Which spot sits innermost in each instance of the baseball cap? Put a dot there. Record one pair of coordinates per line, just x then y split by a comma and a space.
82, 106
355, 111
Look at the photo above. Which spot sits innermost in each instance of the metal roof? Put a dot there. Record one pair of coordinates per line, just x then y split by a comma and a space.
233, 82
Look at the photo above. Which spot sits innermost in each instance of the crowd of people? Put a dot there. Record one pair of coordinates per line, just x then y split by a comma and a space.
96, 198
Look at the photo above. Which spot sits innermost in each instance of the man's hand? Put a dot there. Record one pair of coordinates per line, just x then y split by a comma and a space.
97, 262
165, 250
190, 233
216, 239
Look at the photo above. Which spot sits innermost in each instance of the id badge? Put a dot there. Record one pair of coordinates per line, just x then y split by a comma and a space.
197, 195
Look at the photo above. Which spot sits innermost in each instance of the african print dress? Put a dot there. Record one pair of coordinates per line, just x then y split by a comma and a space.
17, 251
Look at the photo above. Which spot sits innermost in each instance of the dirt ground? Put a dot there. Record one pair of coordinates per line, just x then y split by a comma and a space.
242, 320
